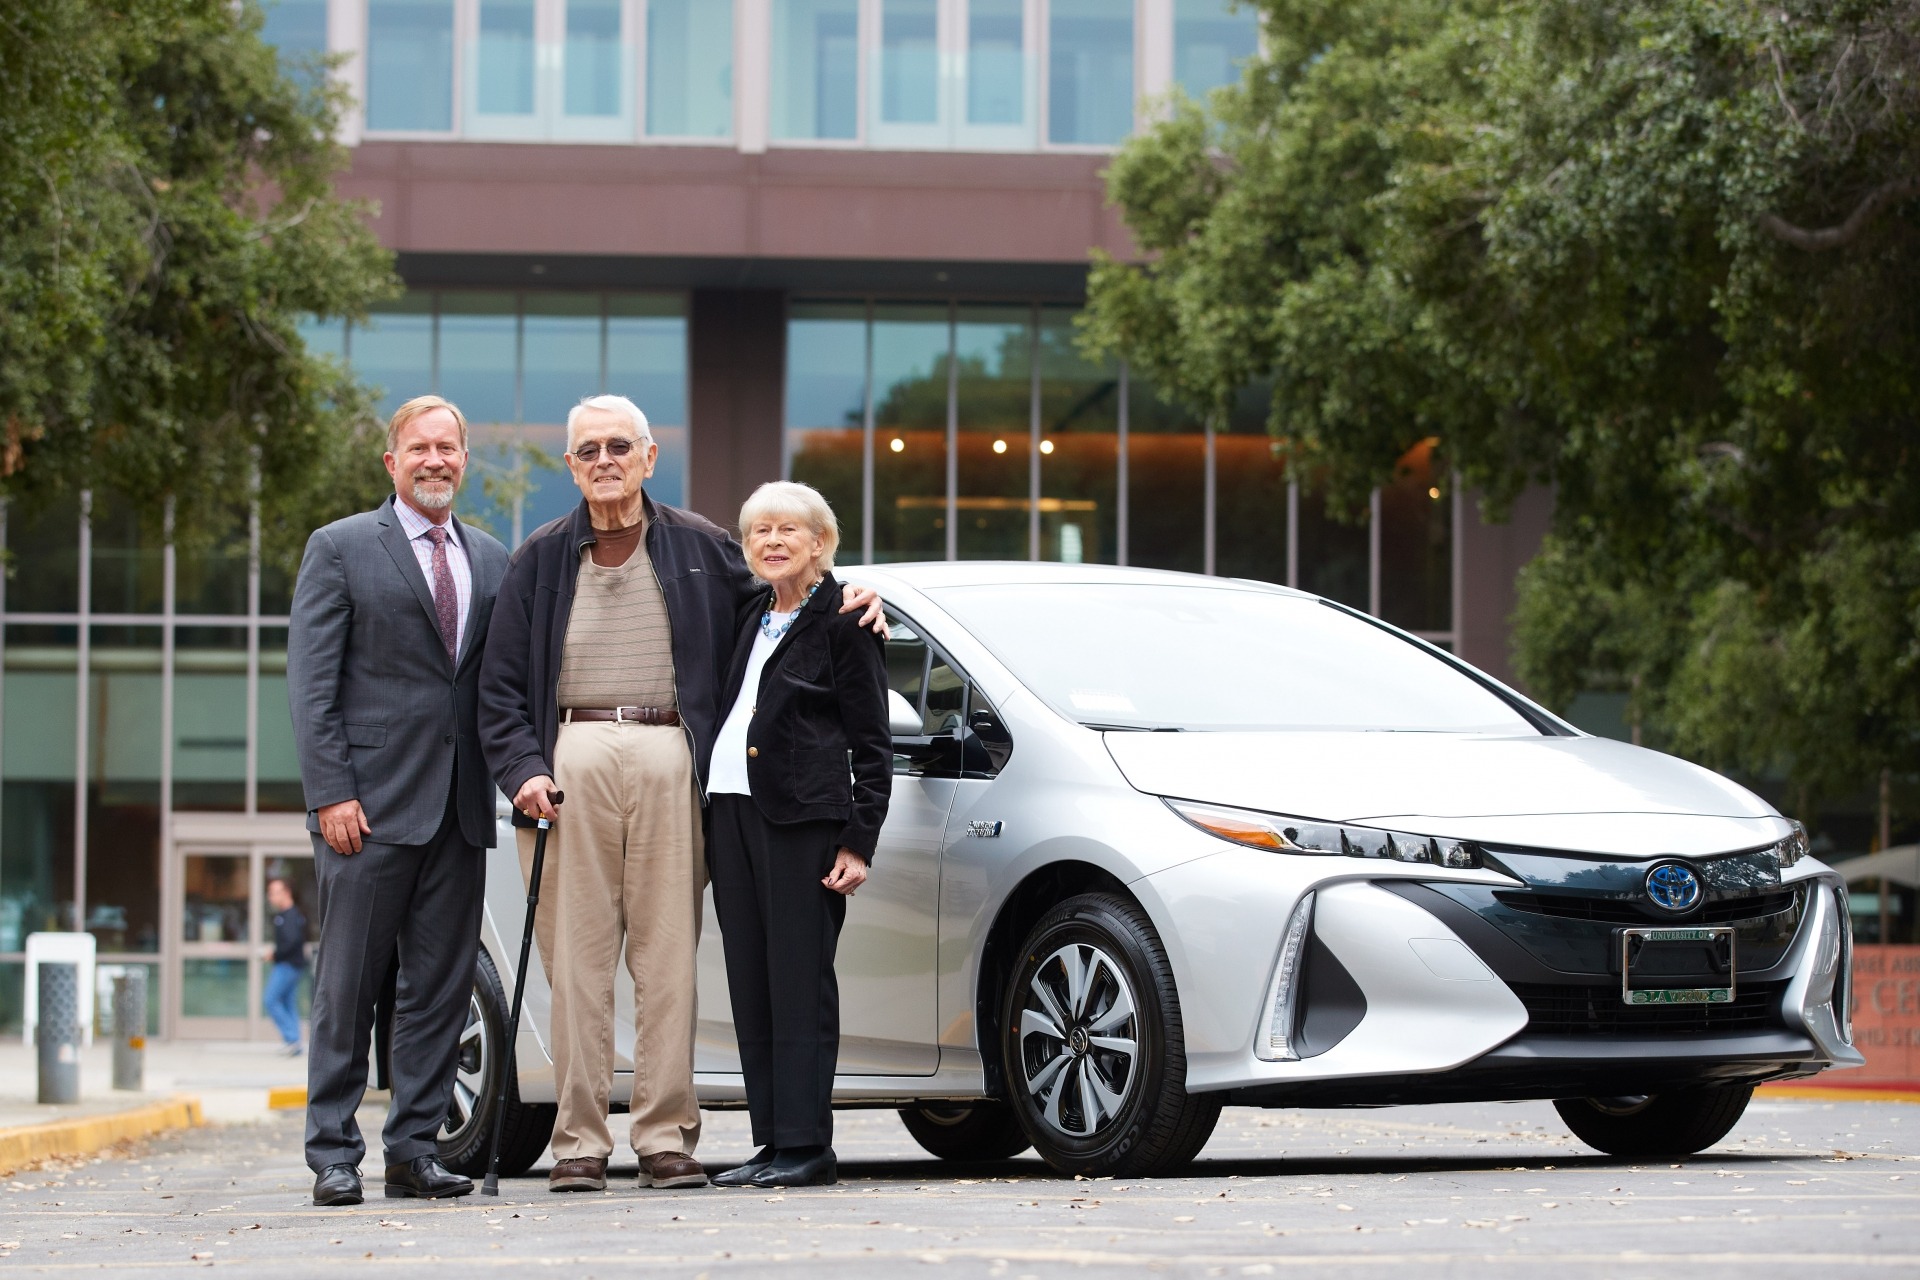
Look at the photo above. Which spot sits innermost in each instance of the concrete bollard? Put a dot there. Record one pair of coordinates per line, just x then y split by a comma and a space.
130, 1031
58, 1033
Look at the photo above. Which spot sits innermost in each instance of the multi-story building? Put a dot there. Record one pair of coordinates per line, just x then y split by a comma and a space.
837, 240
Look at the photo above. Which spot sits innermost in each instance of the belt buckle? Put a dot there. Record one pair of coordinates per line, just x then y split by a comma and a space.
620, 715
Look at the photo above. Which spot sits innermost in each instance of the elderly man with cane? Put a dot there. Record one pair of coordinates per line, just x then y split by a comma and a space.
603, 677
383, 661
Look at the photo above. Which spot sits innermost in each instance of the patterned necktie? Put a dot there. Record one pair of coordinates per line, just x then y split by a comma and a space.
445, 598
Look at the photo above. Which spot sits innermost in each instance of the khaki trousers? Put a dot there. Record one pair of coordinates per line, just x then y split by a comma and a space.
624, 862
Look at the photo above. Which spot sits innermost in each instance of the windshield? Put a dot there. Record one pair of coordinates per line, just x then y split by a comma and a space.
1153, 656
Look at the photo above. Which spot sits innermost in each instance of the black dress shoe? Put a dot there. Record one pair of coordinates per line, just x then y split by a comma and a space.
743, 1175
425, 1178
337, 1184
800, 1167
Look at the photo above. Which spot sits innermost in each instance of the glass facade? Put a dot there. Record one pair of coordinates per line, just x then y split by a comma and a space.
515, 363
978, 431
143, 685
985, 75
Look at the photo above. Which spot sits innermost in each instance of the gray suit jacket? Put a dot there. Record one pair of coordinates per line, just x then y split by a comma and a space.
379, 713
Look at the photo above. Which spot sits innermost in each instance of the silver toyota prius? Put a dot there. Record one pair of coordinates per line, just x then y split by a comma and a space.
1161, 843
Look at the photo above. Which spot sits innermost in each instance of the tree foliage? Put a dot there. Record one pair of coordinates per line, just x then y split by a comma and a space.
166, 219
1661, 255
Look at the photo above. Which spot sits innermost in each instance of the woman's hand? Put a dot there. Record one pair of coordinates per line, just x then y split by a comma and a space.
849, 873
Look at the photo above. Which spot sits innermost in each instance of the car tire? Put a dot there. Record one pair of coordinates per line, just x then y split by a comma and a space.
1668, 1124
971, 1131
1105, 1093
526, 1128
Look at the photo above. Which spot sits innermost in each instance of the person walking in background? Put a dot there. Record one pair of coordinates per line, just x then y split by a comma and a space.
289, 963
603, 680
802, 772
383, 659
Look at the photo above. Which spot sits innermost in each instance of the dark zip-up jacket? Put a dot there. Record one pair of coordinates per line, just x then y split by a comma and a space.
705, 581
819, 745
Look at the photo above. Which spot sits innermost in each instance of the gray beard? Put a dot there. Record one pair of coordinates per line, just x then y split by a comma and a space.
431, 500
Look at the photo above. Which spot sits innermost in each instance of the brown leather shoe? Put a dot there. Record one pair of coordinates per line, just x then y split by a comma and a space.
582, 1173
671, 1169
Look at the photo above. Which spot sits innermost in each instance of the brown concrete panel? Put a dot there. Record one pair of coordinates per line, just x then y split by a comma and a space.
736, 357
464, 197
1492, 556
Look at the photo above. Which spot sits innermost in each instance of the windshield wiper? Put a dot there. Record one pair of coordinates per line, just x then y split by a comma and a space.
1131, 728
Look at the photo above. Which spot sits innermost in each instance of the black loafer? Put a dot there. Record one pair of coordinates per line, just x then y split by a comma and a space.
743, 1175
813, 1170
425, 1178
337, 1184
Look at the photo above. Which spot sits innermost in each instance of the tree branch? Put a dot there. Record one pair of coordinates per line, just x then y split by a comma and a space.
1834, 237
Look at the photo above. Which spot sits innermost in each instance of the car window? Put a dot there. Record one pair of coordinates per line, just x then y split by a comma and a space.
1137, 655
946, 698
959, 732
906, 659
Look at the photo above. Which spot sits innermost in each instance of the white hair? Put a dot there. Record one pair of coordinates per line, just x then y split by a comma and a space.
619, 406
791, 498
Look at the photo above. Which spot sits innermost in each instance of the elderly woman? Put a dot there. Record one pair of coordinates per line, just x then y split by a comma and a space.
793, 827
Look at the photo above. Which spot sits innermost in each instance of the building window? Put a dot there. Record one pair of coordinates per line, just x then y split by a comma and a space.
826, 413
595, 68
910, 61
298, 30
504, 70
689, 69
816, 70
1212, 40
979, 431
410, 66
997, 64
1089, 71
1079, 448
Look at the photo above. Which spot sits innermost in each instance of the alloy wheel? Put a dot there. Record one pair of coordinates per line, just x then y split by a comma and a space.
1079, 1039
471, 1062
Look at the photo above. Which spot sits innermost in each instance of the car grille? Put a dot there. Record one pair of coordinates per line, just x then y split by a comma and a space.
1556, 1009
1626, 911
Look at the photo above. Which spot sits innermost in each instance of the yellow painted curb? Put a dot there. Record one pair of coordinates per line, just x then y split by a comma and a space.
1828, 1093
287, 1097
83, 1135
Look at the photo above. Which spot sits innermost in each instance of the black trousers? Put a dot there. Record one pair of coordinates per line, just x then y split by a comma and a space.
779, 927
417, 906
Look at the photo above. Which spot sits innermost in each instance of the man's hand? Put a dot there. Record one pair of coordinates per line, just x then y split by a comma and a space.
342, 825
849, 873
867, 598
534, 798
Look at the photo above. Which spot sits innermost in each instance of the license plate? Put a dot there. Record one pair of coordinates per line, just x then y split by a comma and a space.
1677, 966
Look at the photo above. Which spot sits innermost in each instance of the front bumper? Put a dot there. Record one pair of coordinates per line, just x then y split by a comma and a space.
1519, 1027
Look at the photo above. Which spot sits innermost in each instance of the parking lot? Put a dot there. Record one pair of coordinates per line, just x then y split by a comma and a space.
1800, 1187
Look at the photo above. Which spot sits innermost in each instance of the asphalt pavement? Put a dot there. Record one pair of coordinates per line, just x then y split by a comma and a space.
1800, 1188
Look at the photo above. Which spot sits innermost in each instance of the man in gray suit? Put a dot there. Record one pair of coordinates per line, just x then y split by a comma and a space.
383, 657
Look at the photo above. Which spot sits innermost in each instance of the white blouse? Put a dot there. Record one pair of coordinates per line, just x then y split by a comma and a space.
727, 775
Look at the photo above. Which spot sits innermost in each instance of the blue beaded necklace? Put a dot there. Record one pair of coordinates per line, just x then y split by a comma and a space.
773, 633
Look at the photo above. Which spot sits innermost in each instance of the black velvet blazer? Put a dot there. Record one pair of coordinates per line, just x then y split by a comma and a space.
818, 746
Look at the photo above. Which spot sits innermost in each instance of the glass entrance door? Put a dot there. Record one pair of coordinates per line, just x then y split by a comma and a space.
225, 942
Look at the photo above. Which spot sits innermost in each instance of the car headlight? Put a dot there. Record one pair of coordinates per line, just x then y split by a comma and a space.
1282, 834
1793, 848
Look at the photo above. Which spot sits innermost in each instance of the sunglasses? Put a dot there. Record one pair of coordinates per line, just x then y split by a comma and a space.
590, 452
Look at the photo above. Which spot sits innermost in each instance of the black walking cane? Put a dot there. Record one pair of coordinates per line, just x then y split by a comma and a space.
491, 1187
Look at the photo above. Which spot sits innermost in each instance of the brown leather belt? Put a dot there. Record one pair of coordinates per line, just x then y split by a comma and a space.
622, 715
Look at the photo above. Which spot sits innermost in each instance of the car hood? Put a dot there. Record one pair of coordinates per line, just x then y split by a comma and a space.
1587, 794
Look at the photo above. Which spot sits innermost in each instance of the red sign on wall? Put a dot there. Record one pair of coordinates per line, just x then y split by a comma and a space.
1886, 1020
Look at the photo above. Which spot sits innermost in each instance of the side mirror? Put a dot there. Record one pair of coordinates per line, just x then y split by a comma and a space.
902, 720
